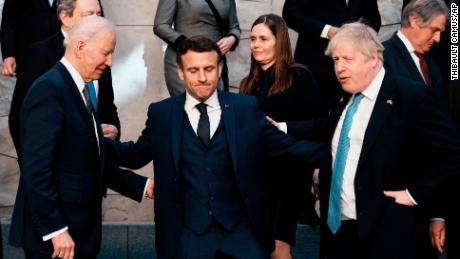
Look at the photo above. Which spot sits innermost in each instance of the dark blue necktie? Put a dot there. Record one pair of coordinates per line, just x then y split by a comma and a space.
334, 212
203, 129
92, 95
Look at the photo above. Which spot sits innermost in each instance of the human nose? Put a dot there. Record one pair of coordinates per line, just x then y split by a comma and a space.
108, 60
202, 76
437, 37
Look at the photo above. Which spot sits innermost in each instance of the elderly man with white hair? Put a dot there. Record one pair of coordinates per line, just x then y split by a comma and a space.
63, 172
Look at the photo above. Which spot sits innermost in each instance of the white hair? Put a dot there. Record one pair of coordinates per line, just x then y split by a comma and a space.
86, 28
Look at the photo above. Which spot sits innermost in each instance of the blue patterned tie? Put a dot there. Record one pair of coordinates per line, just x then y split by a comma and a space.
92, 95
334, 212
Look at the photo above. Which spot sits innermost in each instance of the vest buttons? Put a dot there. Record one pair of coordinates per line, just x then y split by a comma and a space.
210, 213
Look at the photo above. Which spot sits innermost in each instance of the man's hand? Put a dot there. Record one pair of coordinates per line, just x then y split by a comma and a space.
401, 197
9, 66
226, 43
63, 246
282, 250
438, 234
331, 32
149, 191
109, 131
273, 122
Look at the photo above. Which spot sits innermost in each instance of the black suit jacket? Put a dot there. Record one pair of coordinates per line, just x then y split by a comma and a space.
397, 60
25, 22
407, 121
63, 174
39, 58
248, 134
308, 18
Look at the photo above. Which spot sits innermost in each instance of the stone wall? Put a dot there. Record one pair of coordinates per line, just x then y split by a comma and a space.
138, 81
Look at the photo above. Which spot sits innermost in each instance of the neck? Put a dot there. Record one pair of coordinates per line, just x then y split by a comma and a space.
267, 66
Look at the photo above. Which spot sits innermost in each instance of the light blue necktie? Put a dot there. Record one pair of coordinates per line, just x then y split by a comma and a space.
92, 95
334, 212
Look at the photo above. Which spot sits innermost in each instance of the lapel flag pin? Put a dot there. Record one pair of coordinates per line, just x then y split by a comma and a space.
226, 105
389, 102
341, 99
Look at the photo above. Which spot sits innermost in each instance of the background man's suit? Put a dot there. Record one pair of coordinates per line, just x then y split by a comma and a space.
398, 61
168, 139
25, 22
308, 18
63, 177
39, 58
405, 114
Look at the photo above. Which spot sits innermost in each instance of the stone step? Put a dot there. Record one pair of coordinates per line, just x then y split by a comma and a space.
126, 240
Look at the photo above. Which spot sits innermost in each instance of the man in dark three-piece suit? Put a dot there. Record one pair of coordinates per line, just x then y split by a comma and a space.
371, 194
41, 56
206, 145
316, 22
63, 171
407, 53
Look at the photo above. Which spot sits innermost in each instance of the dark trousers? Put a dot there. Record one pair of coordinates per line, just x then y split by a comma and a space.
218, 243
345, 243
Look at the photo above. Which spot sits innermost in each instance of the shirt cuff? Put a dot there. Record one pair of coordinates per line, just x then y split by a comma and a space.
437, 219
55, 233
325, 31
411, 198
283, 127
145, 188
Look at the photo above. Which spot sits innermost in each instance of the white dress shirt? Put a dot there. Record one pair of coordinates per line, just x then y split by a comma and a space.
356, 135
411, 50
213, 109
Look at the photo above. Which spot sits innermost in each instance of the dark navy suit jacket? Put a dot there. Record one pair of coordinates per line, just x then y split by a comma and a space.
398, 61
63, 172
407, 121
249, 135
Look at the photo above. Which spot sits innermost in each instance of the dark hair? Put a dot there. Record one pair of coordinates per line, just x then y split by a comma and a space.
284, 62
197, 44
66, 6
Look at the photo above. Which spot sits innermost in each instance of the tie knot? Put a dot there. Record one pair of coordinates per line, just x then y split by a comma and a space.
358, 97
89, 84
420, 55
202, 108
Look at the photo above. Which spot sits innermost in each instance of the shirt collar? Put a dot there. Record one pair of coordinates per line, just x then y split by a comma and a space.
212, 102
406, 42
373, 89
74, 74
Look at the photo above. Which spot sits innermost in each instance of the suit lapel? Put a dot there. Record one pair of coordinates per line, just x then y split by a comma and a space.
404, 53
337, 113
385, 101
177, 118
228, 117
80, 105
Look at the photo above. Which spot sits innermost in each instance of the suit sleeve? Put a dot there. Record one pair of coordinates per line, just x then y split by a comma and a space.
107, 110
372, 14
299, 20
10, 17
126, 182
233, 25
42, 121
164, 19
278, 144
131, 154
437, 131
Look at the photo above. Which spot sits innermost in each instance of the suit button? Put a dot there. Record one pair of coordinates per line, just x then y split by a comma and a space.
212, 198
210, 213
208, 169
